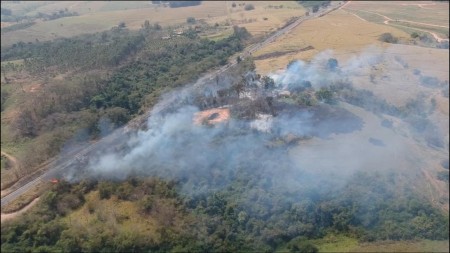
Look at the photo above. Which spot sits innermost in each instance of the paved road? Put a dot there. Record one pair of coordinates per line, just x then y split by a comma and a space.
75, 158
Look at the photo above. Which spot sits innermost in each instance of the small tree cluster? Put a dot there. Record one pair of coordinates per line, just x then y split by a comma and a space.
249, 7
388, 38
190, 20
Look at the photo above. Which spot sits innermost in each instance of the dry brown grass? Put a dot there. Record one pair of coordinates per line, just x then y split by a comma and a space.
339, 31
254, 20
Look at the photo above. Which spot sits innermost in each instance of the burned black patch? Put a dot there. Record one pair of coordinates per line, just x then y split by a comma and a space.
213, 116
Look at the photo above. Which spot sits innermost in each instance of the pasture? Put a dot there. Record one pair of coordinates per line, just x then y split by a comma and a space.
339, 31
418, 16
99, 16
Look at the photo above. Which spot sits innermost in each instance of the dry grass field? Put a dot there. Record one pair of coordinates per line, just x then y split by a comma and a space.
99, 16
345, 34
266, 16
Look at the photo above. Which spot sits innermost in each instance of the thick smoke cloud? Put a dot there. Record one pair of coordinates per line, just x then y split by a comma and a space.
283, 148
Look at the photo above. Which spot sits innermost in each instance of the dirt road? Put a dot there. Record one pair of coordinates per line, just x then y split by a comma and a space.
9, 216
388, 19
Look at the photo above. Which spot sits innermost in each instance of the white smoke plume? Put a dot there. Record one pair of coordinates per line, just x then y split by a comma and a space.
330, 143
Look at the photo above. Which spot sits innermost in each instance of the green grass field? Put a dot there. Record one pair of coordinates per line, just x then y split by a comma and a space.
343, 243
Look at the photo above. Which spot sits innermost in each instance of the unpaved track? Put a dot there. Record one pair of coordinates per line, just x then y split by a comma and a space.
73, 160
388, 19
9, 216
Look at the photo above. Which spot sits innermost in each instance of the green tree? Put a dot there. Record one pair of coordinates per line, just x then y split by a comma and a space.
324, 95
268, 82
191, 20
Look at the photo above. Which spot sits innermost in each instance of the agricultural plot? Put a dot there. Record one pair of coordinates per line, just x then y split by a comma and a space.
266, 16
92, 22
338, 31
99, 16
435, 13
428, 17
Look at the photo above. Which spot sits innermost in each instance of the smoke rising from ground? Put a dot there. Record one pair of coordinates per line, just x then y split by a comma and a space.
297, 147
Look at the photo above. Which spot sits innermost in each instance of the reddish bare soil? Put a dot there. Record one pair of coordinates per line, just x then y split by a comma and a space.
212, 116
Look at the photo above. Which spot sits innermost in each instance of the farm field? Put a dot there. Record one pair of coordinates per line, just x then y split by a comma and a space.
433, 13
343, 33
355, 26
100, 16
419, 16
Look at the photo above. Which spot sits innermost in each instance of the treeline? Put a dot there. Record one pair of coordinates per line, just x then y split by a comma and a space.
167, 67
6, 12
8, 16
314, 5
16, 27
56, 15
251, 214
101, 50
176, 4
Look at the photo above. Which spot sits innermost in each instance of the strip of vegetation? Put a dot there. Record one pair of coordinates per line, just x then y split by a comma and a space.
56, 15
249, 215
314, 5
16, 27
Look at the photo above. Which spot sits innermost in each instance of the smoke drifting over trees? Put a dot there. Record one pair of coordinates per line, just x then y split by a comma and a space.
300, 151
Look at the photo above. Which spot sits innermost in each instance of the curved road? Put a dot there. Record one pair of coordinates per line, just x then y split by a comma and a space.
76, 158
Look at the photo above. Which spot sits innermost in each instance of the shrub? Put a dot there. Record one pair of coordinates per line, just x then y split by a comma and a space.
249, 7
388, 38
444, 164
324, 95
332, 64
105, 190
443, 176
190, 20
